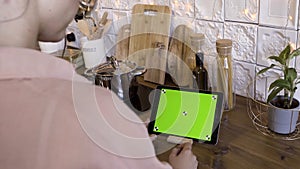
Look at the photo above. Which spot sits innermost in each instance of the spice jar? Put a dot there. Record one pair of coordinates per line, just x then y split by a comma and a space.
225, 72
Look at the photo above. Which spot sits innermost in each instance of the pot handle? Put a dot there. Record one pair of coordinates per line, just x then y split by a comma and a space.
88, 72
139, 71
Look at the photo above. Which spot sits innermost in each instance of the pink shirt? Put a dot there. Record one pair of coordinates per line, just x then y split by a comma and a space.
50, 117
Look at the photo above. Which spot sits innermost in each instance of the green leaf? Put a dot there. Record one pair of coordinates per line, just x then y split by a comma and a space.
291, 74
295, 53
273, 93
285, 53
266, 69
278, 59
280, 83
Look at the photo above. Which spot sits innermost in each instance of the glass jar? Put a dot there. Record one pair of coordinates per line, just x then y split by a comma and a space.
225, 72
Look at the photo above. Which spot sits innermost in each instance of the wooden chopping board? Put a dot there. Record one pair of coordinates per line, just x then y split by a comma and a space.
122, 48
150, 26
181, 58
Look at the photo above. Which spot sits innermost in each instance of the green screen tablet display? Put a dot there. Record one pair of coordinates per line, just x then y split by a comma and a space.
186, 113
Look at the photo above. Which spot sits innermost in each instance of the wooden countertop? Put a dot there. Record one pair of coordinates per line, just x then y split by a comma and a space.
241, 146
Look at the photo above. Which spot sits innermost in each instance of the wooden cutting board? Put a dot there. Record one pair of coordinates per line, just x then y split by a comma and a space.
181, 58
122, 47
150, 26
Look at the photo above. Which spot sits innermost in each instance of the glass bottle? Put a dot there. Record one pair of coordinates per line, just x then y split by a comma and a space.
200, 73
225, 72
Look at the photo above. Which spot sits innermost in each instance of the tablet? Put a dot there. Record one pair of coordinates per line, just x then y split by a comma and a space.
188, 113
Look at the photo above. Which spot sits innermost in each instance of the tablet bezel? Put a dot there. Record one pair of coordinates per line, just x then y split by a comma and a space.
217, 117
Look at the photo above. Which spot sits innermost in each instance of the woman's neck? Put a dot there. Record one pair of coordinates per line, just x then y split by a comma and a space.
18, 38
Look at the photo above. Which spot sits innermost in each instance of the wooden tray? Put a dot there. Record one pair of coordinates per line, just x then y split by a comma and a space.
150, 26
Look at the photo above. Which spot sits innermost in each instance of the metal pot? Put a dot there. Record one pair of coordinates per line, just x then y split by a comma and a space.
117, 75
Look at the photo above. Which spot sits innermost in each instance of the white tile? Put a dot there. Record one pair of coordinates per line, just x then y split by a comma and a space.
210, 9
242, 10
297, 94
183, 8
178, 20
212, 32
298, 57
272, 41
298, 17
99, 6
110, 44
298, 64
244, 38
115, 4
151, 2
282, 13
263, 82
119, 18
244, 74
107, 4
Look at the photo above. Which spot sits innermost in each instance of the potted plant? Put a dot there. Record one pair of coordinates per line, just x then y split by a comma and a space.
283, 111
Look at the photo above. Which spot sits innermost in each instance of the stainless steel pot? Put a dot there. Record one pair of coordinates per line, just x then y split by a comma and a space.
117, 75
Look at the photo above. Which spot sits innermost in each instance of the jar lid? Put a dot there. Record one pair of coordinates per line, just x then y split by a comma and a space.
224, 46
224, 43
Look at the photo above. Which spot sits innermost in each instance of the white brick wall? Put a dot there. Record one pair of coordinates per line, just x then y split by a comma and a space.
258, 29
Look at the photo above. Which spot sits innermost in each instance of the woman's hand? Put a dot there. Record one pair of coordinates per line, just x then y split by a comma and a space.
182, 157
152, 136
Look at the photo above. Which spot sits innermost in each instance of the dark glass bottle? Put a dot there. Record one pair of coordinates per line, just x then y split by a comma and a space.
200, 73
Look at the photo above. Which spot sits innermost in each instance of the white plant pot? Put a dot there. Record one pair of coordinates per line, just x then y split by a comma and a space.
283, 121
